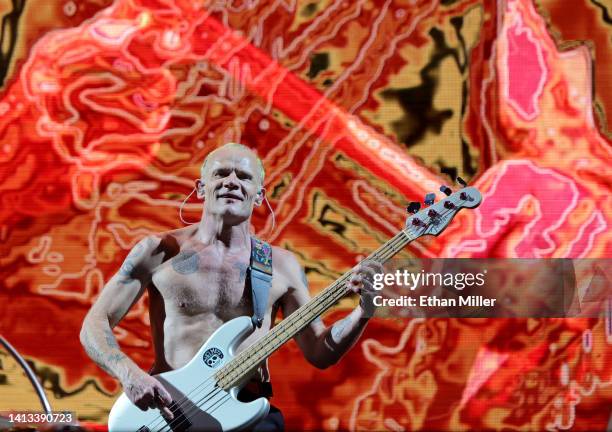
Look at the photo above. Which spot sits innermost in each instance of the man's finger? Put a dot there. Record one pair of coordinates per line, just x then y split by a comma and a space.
163, 399
370, 268
166, 413
163, 394
368, 285
146, 401
354, 283
376, 266
143, 405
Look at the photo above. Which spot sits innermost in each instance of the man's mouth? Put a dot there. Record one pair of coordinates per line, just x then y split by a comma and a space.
230, 195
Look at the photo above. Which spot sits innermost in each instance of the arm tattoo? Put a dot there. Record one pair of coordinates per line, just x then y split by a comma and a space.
127, 268
115, 357
95, 355
110, 339
186, 262
338, 328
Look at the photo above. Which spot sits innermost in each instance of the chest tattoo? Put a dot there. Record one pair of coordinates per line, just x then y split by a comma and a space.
186, 262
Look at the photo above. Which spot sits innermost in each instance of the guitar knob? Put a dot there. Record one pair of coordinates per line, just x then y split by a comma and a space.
417, 222
430, 198
432, 213
463, 196
449, 205
413, 207
445, 190
461, 182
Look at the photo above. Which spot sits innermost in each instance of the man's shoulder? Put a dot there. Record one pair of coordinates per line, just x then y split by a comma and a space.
285, 262
282, 255
178, 235
166, 241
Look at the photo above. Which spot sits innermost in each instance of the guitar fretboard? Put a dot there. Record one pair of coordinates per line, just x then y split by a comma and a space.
248, 360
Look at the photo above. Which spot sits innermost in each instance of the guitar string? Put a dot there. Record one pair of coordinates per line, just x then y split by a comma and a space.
323, 304
323, 301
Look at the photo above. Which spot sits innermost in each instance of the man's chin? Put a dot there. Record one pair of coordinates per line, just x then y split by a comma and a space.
234, 215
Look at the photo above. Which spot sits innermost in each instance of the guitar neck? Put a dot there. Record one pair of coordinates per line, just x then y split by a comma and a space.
243, 364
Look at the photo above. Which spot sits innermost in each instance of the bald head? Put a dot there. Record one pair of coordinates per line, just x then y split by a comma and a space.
230, 148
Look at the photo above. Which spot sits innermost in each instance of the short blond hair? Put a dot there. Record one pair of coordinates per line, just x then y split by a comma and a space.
262, 172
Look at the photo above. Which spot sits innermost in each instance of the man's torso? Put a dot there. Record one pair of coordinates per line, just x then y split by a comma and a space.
193, 291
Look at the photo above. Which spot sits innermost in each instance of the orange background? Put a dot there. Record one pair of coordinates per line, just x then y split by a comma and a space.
108, 109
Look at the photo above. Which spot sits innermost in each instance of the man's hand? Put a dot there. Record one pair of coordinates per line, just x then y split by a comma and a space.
146, 392
362, 282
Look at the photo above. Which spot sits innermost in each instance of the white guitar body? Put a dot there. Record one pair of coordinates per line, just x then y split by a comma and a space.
203, 406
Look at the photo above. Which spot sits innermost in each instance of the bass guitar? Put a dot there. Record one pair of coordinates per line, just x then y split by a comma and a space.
204, 392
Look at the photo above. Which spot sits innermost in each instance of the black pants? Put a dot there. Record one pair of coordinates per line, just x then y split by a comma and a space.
273, 422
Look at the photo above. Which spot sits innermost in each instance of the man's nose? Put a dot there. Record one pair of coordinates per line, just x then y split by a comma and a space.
231, 181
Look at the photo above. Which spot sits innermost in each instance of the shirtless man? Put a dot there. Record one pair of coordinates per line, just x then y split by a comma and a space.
195, 278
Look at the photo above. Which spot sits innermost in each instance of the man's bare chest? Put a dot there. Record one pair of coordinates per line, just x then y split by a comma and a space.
196, 282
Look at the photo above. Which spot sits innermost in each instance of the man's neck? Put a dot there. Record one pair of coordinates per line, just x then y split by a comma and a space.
213, 230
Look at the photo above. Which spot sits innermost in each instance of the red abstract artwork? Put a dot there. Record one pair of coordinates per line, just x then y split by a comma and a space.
108, 109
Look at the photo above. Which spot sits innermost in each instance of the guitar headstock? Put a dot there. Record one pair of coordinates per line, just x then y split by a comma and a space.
434, 219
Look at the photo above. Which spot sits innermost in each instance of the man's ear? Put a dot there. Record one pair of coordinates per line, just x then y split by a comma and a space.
259, 197
199, 188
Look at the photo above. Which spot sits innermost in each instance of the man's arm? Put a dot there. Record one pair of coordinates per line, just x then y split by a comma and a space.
116, 298
324, 346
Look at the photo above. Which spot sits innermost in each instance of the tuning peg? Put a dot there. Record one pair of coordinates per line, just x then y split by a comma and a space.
449, 205
413, 207
417, 222
445, 190
430, 198
461, 182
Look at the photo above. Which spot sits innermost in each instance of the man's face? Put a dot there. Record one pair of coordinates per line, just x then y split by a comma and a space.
231, 184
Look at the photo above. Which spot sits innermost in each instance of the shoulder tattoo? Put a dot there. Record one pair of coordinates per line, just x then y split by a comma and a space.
186, 262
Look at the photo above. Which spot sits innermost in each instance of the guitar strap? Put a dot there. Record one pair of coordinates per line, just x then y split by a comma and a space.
261, 278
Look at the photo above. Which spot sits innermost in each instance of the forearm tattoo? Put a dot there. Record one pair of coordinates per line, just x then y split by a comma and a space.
112, 358
111, 341
94, 353
338, 328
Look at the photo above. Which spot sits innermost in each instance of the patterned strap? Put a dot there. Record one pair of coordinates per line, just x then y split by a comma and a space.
261, 278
